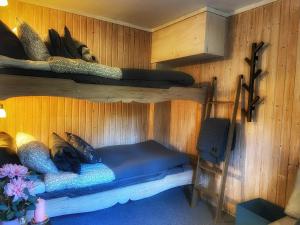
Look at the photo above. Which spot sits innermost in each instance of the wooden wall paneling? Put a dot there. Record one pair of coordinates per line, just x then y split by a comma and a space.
184, 117
96, 38
253, 162
94, 122
103, 34
294, 157
162, 120
290, 94
114, 44
120, 45
281, 120
100, 124
126, 49
131, 46
108, 44
265, 90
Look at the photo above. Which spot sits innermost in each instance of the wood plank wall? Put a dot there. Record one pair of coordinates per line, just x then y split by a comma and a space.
100, 124
266, 158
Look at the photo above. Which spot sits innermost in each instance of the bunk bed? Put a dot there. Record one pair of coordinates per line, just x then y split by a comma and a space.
139, 170
15, 83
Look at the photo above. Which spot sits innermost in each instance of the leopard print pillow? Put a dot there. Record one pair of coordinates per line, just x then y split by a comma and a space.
33, 45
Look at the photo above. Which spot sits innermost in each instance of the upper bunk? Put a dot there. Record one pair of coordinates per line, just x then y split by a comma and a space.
30, 67
17, 83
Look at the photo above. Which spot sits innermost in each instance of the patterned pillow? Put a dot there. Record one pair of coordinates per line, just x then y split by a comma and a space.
86, 152
293, 207
33, 45
35, 155
91, 174
64, 155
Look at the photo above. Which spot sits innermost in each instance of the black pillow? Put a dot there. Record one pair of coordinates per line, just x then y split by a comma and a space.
86, 152
10, 44
7, 154
57, 46
65, 157
70, 45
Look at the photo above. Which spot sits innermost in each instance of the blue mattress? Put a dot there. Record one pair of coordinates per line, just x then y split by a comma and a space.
132, 164
140, 159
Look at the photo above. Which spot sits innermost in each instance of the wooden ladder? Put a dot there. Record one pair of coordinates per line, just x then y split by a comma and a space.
212, 168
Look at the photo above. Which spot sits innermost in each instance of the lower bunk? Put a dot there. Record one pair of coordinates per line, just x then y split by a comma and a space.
140, 171
102, 200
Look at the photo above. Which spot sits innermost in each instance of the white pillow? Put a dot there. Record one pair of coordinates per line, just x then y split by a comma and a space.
293, 207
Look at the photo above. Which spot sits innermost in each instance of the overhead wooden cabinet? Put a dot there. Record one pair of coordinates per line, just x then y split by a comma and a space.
199, 36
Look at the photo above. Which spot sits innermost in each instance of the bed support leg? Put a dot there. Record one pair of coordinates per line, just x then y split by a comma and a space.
195, 194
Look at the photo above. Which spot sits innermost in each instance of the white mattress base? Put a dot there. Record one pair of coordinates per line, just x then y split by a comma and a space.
102, 200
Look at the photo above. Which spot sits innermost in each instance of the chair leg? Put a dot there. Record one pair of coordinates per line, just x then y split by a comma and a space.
223, 185
195, 194
195, 197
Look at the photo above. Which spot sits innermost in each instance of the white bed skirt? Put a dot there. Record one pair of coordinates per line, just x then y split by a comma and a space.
106, 199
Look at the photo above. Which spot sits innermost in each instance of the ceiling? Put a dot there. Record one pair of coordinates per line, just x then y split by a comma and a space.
146, 14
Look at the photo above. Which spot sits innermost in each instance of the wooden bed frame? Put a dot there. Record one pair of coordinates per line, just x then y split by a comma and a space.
17, 86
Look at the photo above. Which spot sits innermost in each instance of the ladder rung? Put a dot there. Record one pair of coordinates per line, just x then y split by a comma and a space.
220, 102
206, 191
212, 169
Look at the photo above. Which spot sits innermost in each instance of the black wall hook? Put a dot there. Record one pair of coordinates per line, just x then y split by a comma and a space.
253, 101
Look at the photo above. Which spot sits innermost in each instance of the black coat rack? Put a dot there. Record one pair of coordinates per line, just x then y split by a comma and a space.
254, 74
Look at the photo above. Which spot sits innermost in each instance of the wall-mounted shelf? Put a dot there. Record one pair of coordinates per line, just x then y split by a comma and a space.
200, 36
